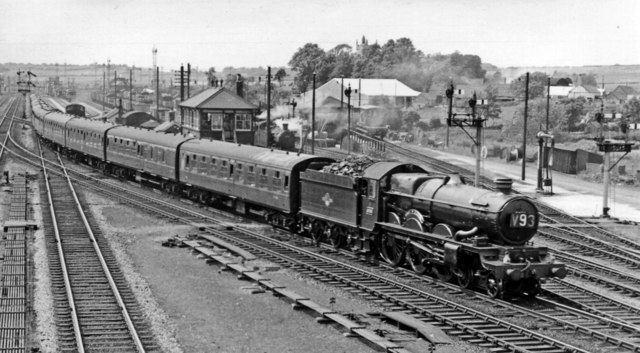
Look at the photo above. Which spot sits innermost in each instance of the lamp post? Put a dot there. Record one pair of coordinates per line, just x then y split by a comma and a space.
347, 92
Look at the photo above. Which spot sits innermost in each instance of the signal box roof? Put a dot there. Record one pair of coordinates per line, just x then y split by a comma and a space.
218, 98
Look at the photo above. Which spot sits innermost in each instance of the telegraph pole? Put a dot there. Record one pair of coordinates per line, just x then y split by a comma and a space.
188, 79
313, 115
347, 92
268, 106
131, 89
157, 92
524, 135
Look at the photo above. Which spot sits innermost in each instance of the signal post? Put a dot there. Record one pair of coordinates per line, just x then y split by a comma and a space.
471, 120
609, 146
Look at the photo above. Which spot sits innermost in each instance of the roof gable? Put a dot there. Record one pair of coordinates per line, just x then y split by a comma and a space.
377, 86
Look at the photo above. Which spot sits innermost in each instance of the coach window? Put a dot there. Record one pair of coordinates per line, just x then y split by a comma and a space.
286, 182
186, 162
224, 169
276, 179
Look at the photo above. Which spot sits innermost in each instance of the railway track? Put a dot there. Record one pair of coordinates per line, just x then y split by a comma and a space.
167, 210
14, 272
394, 303
594, 303
94, 309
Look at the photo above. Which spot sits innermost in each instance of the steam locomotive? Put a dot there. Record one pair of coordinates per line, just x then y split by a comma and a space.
282, 138
398, 211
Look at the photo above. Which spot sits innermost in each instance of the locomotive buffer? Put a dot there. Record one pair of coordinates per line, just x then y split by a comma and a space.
471, 120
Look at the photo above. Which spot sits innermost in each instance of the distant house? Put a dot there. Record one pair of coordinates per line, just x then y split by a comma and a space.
365, 92
504, 93
621, 94
586, 92
559, 91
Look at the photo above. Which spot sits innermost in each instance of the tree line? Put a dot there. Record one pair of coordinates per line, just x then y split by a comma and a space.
397, 59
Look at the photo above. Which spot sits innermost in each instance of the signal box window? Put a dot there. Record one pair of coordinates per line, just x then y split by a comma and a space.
216, 120
243, 122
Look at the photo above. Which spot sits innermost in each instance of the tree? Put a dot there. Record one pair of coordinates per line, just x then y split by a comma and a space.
536, 120
492, 110
537, 85
280, 74
410, 119
632, 109
574, 110
211, 75
305, 62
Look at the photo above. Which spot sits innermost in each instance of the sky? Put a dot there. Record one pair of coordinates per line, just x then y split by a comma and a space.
252, 33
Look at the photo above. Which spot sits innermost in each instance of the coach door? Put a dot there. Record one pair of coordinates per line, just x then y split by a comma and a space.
368, 203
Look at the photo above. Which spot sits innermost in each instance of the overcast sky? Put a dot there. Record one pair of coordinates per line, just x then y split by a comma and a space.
253, 33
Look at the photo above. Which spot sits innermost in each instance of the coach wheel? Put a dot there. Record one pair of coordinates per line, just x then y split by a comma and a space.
392, 250
417, 259
494, 287
465, 278
318, 232
337, 237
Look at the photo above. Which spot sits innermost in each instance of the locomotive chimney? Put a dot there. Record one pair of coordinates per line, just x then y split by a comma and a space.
504, 184
239, 86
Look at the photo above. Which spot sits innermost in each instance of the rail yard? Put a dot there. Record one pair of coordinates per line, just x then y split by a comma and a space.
97, 258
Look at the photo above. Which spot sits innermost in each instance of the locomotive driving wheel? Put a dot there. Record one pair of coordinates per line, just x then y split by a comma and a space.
443, 273
392, 250
465, 278
418, 260
495, 287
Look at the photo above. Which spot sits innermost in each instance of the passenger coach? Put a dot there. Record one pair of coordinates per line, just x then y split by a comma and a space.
262, 181
144, 155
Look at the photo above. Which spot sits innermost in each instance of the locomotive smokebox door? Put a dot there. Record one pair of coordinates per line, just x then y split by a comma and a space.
451, 254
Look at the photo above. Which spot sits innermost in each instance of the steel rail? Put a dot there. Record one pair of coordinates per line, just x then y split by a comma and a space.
63, 264
105, 267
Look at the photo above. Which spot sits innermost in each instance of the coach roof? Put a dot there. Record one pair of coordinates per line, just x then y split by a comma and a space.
89, 125
247, 153
152, 137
